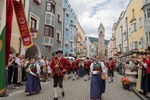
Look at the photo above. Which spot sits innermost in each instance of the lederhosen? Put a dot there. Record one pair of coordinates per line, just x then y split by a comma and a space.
73, 68
110, 70
87, 68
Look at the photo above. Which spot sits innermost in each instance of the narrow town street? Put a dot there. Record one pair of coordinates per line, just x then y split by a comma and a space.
77, 90
44, 38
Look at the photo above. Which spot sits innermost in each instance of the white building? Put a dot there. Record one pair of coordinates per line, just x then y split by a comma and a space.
92, 46
119, 33
109, 50
146, 10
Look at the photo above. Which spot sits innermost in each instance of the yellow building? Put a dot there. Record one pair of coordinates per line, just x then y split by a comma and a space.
15, 37
81, 49
135, 24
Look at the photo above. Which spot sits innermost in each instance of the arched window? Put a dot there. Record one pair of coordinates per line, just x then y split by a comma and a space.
101, 33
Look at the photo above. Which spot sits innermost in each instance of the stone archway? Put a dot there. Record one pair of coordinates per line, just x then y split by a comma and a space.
33, 51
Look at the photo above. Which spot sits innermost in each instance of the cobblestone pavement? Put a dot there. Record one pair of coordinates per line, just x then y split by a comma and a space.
76, 90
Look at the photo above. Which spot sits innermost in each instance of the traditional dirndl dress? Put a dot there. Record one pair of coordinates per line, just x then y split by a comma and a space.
97, 84
33, 82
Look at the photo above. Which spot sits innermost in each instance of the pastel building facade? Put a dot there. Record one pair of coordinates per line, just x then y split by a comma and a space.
146, 19
135, 23
69, 30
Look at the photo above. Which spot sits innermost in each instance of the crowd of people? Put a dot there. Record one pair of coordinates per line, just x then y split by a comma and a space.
140, 64
17, 69
21, 68
34, 69
91, 69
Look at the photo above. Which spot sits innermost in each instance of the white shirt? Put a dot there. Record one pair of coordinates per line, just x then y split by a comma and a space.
104, 68
49, 69
38, 68
144, 64
81, 64
17, 61
43, 62
47, 63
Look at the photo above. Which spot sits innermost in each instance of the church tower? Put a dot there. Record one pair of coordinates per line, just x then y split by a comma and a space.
101, 41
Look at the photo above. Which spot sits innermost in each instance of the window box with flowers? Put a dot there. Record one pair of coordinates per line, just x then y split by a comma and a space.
125, 83
34, 30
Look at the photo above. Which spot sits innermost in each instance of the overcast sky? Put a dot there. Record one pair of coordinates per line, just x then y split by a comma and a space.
91, 13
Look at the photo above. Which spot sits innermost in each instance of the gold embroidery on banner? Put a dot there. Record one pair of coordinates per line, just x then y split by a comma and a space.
1, 45
2, 91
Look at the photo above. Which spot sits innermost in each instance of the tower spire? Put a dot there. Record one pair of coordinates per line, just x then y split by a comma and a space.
101, 41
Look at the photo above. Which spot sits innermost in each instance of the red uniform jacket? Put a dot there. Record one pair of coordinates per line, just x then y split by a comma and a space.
110, 65
87, 64
73, 64
62, 64
148, 66
106, 63
77, 64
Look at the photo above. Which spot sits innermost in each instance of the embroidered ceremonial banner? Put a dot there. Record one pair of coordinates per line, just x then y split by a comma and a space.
2, 46
22, 23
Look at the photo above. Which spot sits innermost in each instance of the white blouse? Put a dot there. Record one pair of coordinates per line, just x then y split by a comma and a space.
104, 68
18, 62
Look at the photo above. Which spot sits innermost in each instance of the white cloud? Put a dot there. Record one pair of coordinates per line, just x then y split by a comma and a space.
93, 12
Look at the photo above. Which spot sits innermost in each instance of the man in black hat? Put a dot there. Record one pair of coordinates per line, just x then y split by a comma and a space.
59, 66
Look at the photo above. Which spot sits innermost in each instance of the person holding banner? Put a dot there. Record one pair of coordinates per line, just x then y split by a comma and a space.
33, 82
59, 67
17, 70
